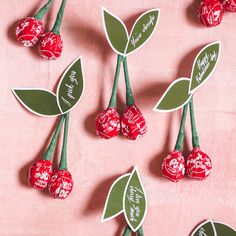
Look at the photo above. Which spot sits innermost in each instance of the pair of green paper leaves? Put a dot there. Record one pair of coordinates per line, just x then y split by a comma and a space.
45, 103
127, 195
117, 34
213, 228
181, 90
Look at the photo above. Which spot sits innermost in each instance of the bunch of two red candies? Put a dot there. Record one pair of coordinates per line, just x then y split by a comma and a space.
132, 123
41, 174
197, 166
30, 31
210, 12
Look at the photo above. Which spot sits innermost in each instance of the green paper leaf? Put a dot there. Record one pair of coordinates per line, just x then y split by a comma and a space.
116, 32
175, 97
142, 30
204, 64
134, 202
223, 229
205, 229
114, 202
38, 101
71, 86
213, 228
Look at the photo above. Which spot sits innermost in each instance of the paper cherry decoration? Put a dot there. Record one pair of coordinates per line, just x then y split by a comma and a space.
229, 5
39, 174
108, 123
132, 123
50, 44
198, 164
29, 29
210, 12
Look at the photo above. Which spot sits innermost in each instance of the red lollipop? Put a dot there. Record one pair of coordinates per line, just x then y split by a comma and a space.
61, 184
29, 29
50, 44
108, 123
210, 12
133, 124
39, 174
198, 164
229, 5
173, 166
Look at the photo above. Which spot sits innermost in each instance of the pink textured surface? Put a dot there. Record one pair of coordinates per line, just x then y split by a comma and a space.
174, 209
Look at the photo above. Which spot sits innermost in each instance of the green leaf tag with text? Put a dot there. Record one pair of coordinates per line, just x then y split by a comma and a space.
71, 86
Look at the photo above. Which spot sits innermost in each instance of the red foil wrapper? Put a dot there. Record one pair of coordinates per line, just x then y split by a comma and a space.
173, 166
61, 184
229, 5
50, 46
198, 165
108, 123
28, 31
133, 124
39, 174
210, 12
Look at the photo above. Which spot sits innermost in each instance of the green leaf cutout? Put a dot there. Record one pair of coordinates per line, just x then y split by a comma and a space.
142, 30
114, 202
175, 97
204, 64
223, 229
38, 101
70, 88
116, 32
134, 202
205, 229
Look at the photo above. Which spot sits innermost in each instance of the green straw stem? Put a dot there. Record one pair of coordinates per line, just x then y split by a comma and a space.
195, 138
57, 25
51, 147
127, 231
129, 94
140, 231
43, 10
112, 103
180, 139
63, 161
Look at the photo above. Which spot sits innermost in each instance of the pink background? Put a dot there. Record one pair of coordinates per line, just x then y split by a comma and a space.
173, 209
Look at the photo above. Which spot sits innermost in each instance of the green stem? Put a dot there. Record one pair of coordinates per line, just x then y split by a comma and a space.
127, 231
43, 10
140, 231
129, 94
63, 162
57, 25
195, 138
112, 102
50, 149
180, 139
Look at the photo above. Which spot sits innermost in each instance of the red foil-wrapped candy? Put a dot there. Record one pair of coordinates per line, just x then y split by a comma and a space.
173, 166
50, 46
210, 12
108, 123
28, 31
229, 5
39, 174
133, 124
198, 164
61, 184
